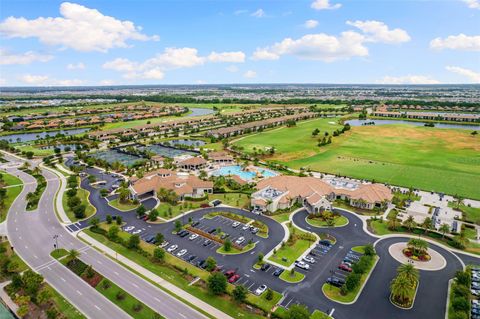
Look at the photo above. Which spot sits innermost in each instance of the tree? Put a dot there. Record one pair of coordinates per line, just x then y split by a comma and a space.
210, 263
401, 289
133, 242
153, 215
240, 293
409, 272
158, 254
227, 245
159, 238
141, 211
113, 232
94, 222
217, 283
31, 282
108, 218
123, 194
73, 254
417, 245
409, 223
119, 220
444, 228
298, 311
369, 250
178, 226
427, 223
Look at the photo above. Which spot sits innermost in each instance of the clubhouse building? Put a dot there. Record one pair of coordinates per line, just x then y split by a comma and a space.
316, 195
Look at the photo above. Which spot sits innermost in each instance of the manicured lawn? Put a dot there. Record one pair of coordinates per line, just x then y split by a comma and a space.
10, 254
173, 277
83, 195
122, 206
397, 154
64, 307
317, 314
281, 217
333, 292
469, 213
338, 222
128, 303
58, 253
12, 193
235, 251
287, 254
288, 277
36, 151
359, 249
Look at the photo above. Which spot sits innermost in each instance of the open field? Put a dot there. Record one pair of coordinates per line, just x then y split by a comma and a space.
396, 154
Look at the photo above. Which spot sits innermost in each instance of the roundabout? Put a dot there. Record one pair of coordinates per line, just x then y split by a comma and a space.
436, 262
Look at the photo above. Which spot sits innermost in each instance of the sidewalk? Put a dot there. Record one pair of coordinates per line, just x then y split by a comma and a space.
59, 195
6, 299
158, 280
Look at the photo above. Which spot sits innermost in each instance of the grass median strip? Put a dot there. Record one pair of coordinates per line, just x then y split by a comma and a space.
292, 278
13, 187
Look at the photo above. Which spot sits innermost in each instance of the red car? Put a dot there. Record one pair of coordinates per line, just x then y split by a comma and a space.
233, 278
345, 267
230, 273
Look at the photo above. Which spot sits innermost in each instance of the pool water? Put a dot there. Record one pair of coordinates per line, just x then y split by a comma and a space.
245, 175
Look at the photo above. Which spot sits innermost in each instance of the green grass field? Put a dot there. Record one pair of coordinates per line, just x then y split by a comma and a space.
443, 160
287, 254
12, 193
83, 195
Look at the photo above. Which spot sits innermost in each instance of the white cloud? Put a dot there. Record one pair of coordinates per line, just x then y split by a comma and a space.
473, 4
408, 79
201, 82
377, 31
319, 46
34, 79
76, 66
258, 14
470, 74
232, 57
107, 82
45, 80
324, 5
232, 68
457, 42
240, 12
79, 28
8, 58
154, 68
250, 74
310, 24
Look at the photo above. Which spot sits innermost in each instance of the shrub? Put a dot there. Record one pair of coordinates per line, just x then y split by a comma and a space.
217, 283
269, 294
120, 295
352, 281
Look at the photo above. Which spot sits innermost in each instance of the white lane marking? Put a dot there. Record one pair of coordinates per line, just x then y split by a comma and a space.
97, 307
135, 285
331, 312
157, 299
98, 261
116, 273
78, 292
35, 256
181, 314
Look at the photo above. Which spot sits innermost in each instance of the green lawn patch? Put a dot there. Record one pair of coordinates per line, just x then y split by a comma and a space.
281, 217
291, 250
59, 253
359, 249
123, 206
65, 307
13, 191
317, 314
125, 301
288, 277
9, 255
339, 221
83, 195
471, 214
235, 251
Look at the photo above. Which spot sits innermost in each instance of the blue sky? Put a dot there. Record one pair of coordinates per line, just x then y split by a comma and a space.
190, 42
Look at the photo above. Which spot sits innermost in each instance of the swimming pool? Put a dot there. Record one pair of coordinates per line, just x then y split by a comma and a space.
245, 175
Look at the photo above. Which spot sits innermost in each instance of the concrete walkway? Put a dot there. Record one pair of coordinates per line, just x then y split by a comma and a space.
63, 169
6, 298
158, 280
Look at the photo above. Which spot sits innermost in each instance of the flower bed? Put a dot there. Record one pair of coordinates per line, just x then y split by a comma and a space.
422, 256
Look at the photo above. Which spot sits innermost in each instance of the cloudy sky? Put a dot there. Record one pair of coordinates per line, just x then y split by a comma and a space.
277, 41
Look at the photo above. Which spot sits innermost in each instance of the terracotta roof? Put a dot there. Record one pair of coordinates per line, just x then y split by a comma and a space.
260, 202
193, 161
180, 184
239, 180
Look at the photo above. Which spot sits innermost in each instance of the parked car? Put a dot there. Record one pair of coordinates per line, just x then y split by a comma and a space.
195, 223
215, 202
325, 242
233, 278
192, 236
172, 248
180, 233
200, 263
207, 242
230, 273
345, 268
335, 281
254, 230
235, 224
225, 235
240, 240
185, 234
265, 267
278, 272
164, 244
260, 290
302, 264
150, 239
138, 231
211, 231
181, 253
309, 259
475, 292
245, 227
190, 258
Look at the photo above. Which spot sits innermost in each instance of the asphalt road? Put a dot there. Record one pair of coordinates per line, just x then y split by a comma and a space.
373, 302
31, 233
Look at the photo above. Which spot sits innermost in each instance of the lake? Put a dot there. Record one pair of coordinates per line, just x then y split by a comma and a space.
414, 123
27, 137
196, 111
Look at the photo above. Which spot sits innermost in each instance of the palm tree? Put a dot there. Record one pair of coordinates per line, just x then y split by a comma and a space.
409, 272
418, 245
401, 289
444, 229
427, 224
73, 254
409, 223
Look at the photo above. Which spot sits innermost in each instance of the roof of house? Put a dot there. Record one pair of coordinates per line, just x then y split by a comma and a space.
193, 161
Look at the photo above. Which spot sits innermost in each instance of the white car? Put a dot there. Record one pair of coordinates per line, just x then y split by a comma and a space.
309, 259
129, 228
164, 244
138, 231
260, 290
193, 236
302, 264
240, 240
172, 248
181, 253
475, 292
245, 227
235, 224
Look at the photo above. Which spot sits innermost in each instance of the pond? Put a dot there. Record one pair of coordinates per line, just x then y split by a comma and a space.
414, 123
166, 151
62, 147
27, 137
197, 111
247, 175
